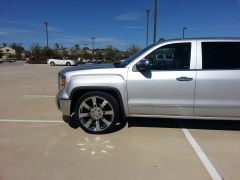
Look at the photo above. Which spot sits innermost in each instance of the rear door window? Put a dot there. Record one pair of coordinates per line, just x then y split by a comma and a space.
221, 55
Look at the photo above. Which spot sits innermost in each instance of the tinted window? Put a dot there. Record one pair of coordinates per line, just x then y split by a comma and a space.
221, 55
171, 57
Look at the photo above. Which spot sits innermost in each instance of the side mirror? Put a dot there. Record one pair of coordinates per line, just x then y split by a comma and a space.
143, 65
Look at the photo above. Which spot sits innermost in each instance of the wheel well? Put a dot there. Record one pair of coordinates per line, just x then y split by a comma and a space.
115, 93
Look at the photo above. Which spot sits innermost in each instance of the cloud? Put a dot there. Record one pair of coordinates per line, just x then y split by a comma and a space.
30, 24
196, 28
127, 17
69, 40
134, 27
109, 40
16, 32
18, 22
3, 33
228, 26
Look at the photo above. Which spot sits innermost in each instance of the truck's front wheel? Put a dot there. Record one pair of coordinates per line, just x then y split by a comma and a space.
97, 112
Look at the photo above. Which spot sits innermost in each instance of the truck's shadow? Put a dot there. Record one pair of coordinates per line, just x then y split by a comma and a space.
185, 123
73, 123
169, 123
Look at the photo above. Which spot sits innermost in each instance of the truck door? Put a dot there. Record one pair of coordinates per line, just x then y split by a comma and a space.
218, 80
168, 87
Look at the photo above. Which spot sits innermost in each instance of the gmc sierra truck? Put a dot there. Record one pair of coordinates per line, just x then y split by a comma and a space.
186, 78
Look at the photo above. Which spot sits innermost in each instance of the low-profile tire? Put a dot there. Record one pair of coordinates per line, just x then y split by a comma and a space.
68, 64
97, 112
52, 63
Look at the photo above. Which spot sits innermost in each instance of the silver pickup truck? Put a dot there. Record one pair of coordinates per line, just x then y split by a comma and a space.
190, 79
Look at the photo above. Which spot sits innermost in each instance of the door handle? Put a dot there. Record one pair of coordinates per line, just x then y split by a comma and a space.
184, 79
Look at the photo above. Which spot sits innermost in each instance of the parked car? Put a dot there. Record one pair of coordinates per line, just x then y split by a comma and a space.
36, 60
61, 61
8, 59
199, 79
86, 60
11, 60
99, 61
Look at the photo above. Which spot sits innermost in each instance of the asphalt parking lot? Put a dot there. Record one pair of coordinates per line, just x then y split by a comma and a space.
35, 143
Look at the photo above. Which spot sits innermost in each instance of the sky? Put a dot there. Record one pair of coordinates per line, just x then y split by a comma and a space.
111, 21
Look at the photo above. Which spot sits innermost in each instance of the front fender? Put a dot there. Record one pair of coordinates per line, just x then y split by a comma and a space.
117, 83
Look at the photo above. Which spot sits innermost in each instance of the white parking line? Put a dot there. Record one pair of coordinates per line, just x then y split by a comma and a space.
38, 96
202, 156
7, 72
31, 121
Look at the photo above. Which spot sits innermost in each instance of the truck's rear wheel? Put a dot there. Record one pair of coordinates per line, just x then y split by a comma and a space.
68, 64
52, 63
97, 112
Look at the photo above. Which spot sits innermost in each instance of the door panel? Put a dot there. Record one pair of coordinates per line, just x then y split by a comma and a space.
218, 93
160, 93
168, 87
62, 61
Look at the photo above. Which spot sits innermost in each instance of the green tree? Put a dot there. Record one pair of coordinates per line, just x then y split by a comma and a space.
56, 46
76, 47
99, 55
28, 53
110, 52
133, 49
4, 44
36, 50
87, 55
85, 48
48, 53
18, 48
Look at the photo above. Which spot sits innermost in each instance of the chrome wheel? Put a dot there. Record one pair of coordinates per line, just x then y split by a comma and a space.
96, 113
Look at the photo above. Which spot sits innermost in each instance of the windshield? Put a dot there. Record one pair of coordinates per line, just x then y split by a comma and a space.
133, 57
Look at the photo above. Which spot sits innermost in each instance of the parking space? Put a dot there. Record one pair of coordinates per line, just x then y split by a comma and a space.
35, 143
222, 148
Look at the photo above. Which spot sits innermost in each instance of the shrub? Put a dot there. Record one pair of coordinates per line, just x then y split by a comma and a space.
37, 60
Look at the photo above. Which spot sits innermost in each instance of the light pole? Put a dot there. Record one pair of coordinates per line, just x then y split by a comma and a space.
126, 41
46, 25
147, 10
183, 32
93, 38
155, 23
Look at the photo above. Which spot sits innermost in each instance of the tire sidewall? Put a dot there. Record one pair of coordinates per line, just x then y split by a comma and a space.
112, 100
